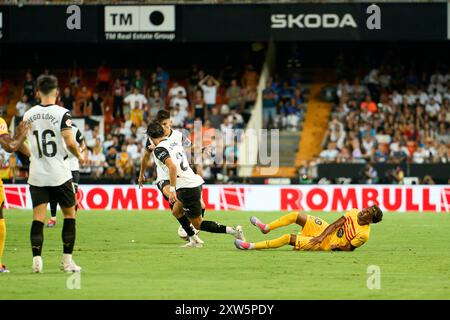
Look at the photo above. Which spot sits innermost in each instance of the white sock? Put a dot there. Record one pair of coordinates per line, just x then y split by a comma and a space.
231, 230
67, 258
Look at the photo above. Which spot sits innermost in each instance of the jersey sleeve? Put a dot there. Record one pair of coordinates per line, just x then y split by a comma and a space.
3, 127
162, 154
359, 239
66, 121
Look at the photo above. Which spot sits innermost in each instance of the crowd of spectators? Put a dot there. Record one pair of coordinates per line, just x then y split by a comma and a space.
391, 115
284, 102
129, 99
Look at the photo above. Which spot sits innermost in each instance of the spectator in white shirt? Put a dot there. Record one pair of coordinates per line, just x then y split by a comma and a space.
180, 100
87, 132
21, 107
236, 119
410, 97
122, 130
330, 154
397, 98
432, 108
209, 90
141, 133
128, 122
176, 89
178, 116
108, 142
419, 155
97, 161
135, 99
437, 77
132, 149
423, 97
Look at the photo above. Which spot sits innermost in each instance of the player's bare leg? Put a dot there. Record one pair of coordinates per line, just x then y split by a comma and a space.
288, 219
269, 244
37, 236
178, 213
68, 238
3, 268
214, 227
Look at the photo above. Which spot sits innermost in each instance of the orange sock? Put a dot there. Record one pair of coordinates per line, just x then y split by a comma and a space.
285, 220
275, 243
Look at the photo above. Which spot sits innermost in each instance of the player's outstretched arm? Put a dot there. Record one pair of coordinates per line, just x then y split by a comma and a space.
71, 144
329, 230
13, 144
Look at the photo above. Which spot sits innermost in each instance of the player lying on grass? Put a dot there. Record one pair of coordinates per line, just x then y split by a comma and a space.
345, 234
9, 144
162, 177
185, 185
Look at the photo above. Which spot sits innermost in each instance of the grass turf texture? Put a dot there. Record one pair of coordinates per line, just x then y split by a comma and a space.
412, 250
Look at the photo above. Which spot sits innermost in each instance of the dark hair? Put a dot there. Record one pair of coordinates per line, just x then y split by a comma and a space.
155, 130
46, 83
377, 214
162, 115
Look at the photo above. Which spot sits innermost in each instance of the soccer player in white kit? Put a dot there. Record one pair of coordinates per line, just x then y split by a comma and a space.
185, 185
162, 177
49, 138
74, 166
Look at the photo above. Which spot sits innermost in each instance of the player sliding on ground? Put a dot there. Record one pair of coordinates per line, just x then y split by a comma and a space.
185, 185
162, 177
345, 234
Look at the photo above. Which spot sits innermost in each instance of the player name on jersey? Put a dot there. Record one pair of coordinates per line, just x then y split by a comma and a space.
48, 151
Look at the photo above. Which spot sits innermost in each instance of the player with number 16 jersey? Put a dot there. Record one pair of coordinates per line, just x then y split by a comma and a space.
50, 140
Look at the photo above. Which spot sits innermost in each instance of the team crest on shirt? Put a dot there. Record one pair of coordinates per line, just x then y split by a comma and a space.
340, 232
318, 221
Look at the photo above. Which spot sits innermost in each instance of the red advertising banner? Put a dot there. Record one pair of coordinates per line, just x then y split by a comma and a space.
394, 198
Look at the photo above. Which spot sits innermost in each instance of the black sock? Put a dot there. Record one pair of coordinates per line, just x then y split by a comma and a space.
212, 226
203, 212
185, 223
53, 206
68, 235
37, 237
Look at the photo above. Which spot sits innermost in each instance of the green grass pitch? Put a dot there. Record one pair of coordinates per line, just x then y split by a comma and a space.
137, 255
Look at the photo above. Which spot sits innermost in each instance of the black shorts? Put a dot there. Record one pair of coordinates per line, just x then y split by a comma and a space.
63, 194
161, 184
75, 179
191, 200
